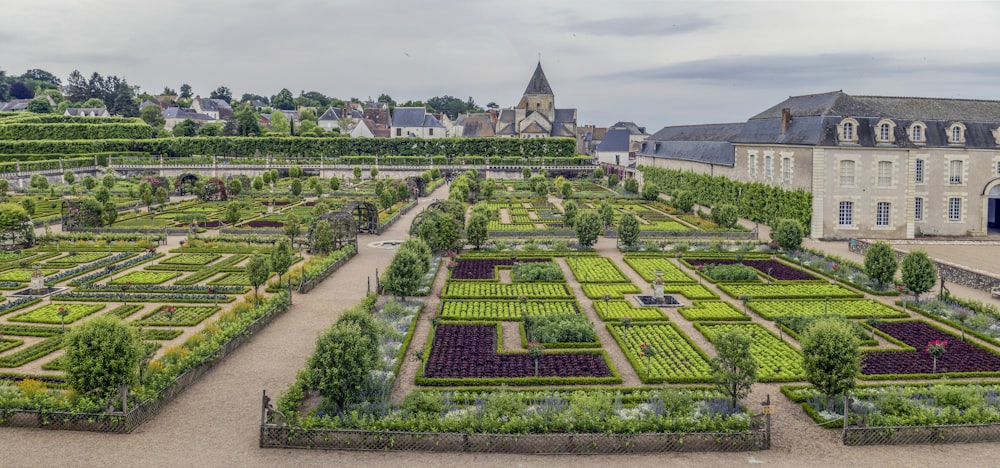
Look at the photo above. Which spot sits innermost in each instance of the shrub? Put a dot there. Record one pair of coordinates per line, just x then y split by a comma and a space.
684, 201
478, 231
404, 273
537, 271
650, 192
788, 233
101, 355
918, 272
588, 227
731, 272
725, 215
632, 185
570, 210
613, 180
340, 366
880, 263
628, 229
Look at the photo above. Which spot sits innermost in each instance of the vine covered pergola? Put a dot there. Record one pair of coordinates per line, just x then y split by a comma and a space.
417, 185
184, 183
343, 225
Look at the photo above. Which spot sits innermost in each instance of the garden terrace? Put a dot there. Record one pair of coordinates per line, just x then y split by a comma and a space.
770, 268
676, 358
777, 361
848, 308
460, 352
961, 357
484, 269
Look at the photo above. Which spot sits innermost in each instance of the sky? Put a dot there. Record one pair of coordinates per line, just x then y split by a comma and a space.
656, 63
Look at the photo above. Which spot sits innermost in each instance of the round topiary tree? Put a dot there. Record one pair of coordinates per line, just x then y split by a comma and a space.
831, 356
628, 229
918, 272
340, 366
650, 192
684, 201
570, 210
725, 215
588, 227
632, 185
880, 263
788, 234
477, 232
613, 180
102, 354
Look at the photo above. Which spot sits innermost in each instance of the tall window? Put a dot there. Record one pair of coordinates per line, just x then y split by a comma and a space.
883, 132
768, 167
998, 168
918, 133
882, 211
956, 134
918, 171
786, 169
848, 131
918, 209
430, 132
954, 209
846, 214
752, 163
955, 172
884, 173
846, 172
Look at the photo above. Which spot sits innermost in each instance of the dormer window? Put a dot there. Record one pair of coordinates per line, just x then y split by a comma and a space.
956, 134
917, 132
847, 131
886, 131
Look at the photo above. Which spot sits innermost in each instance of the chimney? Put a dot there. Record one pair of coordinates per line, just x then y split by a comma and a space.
786, 117
493, 116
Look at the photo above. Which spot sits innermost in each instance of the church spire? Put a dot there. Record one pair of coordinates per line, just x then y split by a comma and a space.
538, 84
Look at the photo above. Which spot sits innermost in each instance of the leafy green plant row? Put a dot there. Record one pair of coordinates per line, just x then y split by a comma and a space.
787, 290
670, 355
647, 267
712, 311
595, 270
849, 308
476, 289
504, 310
206, 273
617, 309
777, 361
614, 291
142, 297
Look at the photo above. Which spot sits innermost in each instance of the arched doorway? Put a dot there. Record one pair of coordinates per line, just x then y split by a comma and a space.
991, 207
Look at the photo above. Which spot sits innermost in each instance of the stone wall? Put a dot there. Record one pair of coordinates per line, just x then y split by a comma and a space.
950, 272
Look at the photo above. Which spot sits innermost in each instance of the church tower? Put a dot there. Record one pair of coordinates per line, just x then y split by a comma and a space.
538, 95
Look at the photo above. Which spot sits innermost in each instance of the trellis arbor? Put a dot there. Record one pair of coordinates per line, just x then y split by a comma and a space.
417, 185
365, 214
343, 225
184, 183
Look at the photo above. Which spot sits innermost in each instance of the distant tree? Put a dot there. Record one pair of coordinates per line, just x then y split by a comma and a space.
283, 100
725, 215
36, 74
232, 213
296, 187
650, 192
881, 263
373, 172
162, 197
281, 257
588, 227
322, 239
186, 128
88, 182
334, 184
235, 187
542, 188
15, 223
357, 172
613, 180
18, 90
386, 99
186, 91
249, 98
102, 194
258, 271
477, 231
628, 229
599, 173
569, 213
39, 181
295, 171
69, 177
108, 181
110, 213
438, 229
211, 129
919, 273
526, 173
40, 105
4, 186
684, 201
101, 355
280, 124
247, 121
257, 184
153, 116
831, 355
607, 213
168, 91
28, 205
734, 370
292, 227
788, 234
147, 197
222, 92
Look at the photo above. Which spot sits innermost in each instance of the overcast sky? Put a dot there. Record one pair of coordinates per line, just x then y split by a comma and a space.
656, 63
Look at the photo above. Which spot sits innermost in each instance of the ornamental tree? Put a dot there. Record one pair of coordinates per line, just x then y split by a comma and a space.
281, 258
402, 277
734, 370
526, 173
477, 231
631, 185
569, 213
684, 201
650, 192
613, 180
831, 356
607, 213
588, 227
15, 224
918, 273
880, 263
258, 271
340, 366
628, 229
102, 354
69, 177
788, 234
725, 215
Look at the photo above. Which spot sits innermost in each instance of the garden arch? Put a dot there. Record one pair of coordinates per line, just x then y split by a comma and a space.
184, 183
417, 185
344, 226
366, 215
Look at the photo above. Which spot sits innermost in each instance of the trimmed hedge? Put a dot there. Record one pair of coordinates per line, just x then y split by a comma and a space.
74, 131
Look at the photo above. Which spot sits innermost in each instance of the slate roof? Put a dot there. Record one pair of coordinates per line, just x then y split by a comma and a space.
708, 144
476, 125
14, 105
631, 127
87, 111
182, 113
221, 104
565, 115
408, 116
538, 83
616, 140
208, 105
331, 114
431, 121
709, 132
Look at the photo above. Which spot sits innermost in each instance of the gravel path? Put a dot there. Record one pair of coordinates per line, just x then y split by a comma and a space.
214, 423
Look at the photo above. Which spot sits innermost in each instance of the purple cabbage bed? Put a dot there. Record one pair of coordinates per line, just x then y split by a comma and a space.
959, 357
469, 351
483, 268
778, 270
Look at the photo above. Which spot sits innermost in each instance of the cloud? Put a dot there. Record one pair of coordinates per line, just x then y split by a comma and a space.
640, 26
